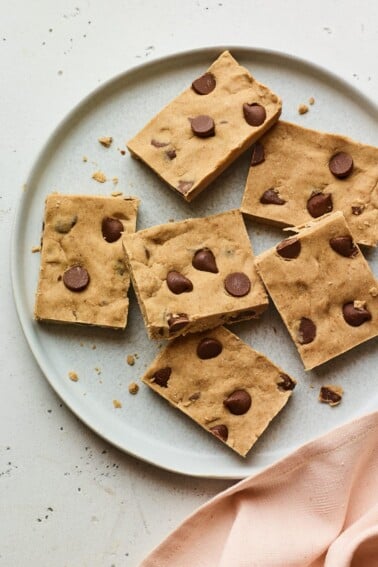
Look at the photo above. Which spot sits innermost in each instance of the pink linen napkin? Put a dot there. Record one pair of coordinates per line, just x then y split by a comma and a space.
318, 507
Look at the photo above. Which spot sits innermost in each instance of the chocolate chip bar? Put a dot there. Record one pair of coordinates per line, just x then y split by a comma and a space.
83, 276
224, 385
202, 131
194, 274
298, 174
323, 289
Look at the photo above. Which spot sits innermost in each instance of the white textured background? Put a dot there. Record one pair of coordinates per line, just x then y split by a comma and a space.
66, 497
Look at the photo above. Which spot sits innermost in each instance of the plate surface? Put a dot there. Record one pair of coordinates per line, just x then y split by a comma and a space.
146, 426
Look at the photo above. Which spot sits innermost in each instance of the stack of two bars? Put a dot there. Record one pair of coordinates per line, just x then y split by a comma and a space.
196, 275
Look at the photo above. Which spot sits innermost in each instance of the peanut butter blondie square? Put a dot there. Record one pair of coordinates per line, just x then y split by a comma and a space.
202, 131
194, 274
224, 385
298, 174
83, 276
323, 289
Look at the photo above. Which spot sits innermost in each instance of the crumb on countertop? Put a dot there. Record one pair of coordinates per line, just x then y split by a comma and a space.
117, 404
99, 176
133, 388
116, 193
106, 141
331, 395
85, 158
35, 249
311, 100
115, 180
302, 108
130, 359
73, 376
98, 370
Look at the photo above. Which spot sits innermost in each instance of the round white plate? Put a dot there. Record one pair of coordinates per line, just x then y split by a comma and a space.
146, 426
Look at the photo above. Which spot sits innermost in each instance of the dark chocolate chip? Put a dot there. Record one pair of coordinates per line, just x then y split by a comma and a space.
76, 278
111, 229
355, 316
319, 204
220, 431
306, 331
178, 283
254, 114
258, 154
286, 383
237, 284
357, 210
185, 186
344, 246
203, 126
209, 348
329, 396
177, 322
204, 84
289, 248
171, 154
238, 402
271, 197
204, 260
341, 165
158, 144
161, 376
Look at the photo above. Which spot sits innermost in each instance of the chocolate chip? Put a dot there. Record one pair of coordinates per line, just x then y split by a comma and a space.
177, 322
111, 229
319, 204
289, 248
161, 376
158, 144
286, 383
344, 246
237, 284
238, 402
271, 197
185, 186
341, 165
171, 154
329, 396
178, 283
254, 114
258, 154
203, 126
204, 260
357, 210
76, 278
355, 316
204, 84
306, 331
220, 431
209, 348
